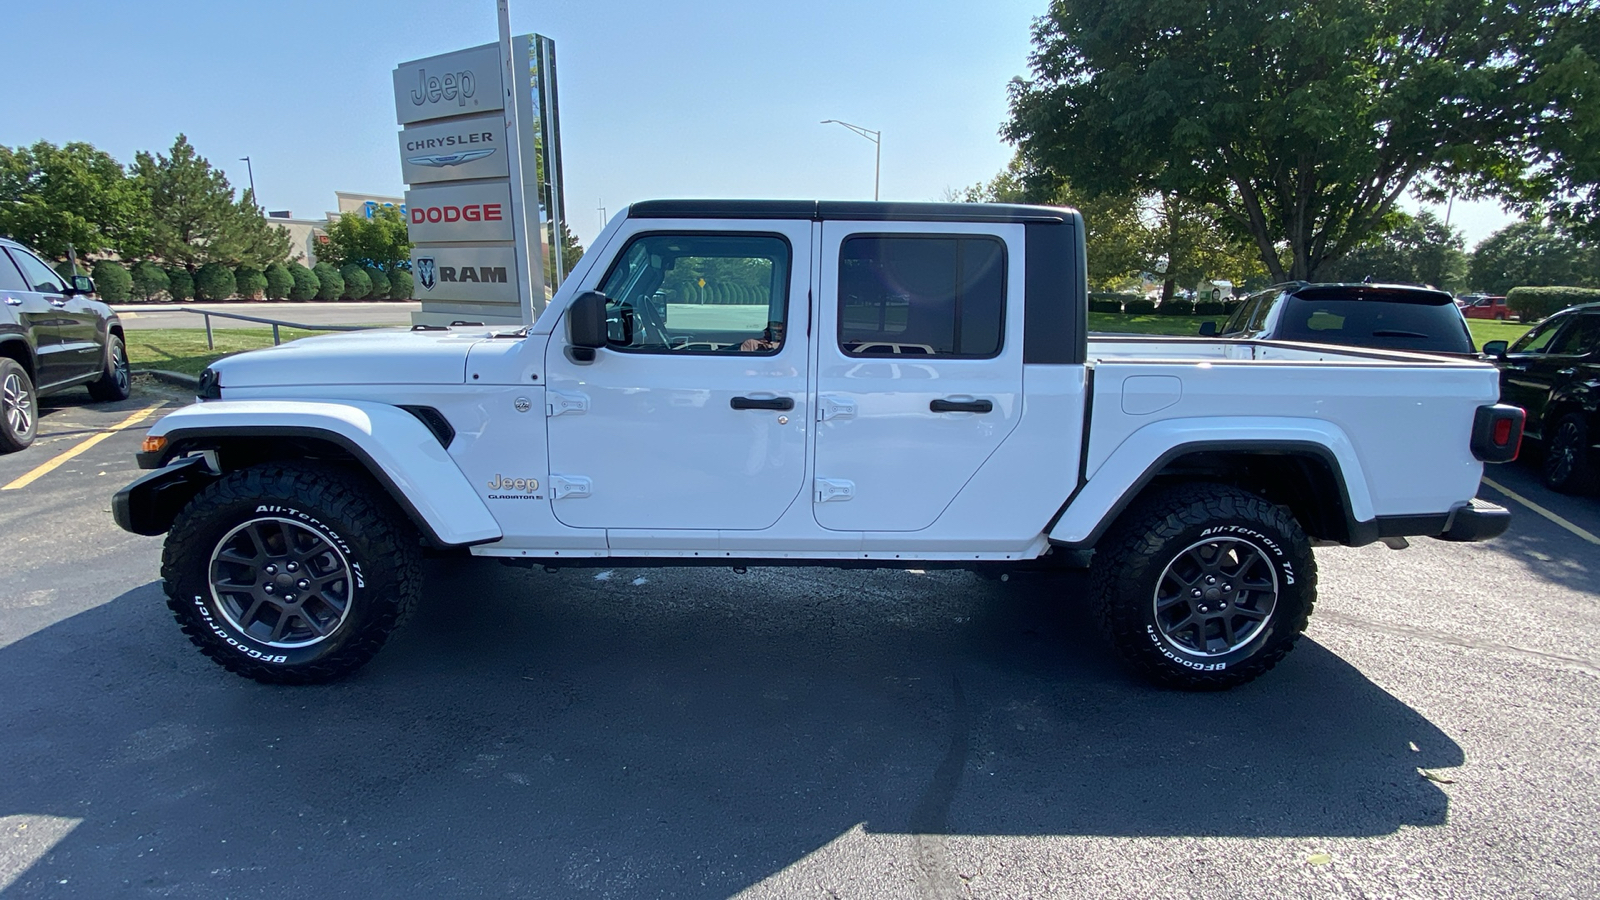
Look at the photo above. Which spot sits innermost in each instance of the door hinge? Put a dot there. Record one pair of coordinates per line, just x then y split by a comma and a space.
558, 402
563, 486
830, 407
834, 489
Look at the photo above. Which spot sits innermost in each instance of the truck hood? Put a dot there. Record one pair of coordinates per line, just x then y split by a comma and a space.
389, 356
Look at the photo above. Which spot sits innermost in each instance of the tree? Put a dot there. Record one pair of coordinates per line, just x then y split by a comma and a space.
306, 284
52, 198
279, 281
400, 284
356, 283
213, 282
571, 252
194, 217
380, 283
380, 242
1532, 254
112, 281
1561, 92
249, 282
330, 286
1419, 249
148, 280
1300, 124
180, 284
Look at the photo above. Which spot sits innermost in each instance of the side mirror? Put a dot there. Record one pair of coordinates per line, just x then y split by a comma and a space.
81, 284
1208, 329
586, 325
1496, 349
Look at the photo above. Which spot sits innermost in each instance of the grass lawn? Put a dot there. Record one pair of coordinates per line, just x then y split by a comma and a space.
184, 349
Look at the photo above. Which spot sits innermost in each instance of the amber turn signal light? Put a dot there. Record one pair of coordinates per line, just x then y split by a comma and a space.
153, 444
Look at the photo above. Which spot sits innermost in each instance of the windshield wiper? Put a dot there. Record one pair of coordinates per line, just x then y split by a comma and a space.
1409, 334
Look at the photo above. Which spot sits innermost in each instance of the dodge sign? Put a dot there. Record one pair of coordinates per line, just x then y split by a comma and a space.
459, 212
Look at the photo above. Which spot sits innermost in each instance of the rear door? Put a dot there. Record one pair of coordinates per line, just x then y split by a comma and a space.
919, 367
694, 416
1529, 369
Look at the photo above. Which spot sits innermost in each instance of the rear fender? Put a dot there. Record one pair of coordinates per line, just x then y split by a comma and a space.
1133, 465
394, 446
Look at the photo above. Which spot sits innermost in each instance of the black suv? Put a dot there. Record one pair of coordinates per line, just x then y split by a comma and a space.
1384, 316
1553, 372
52, 337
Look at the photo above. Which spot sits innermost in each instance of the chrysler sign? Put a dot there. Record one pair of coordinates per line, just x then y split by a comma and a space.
467, 81
459, 212
454, 150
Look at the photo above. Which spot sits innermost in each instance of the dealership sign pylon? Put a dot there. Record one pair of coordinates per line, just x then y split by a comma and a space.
480, 151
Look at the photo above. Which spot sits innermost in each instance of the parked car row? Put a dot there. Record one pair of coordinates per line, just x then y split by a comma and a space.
1381, 316
1553, 372
53, 336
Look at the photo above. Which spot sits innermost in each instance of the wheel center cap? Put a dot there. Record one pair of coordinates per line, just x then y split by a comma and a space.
1213, 593
284, 579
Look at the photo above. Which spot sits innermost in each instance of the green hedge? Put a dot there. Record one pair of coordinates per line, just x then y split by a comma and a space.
1177, 306
1139, 307
278, 281
250, 282
329, 283
1104, 305
400, 285
380, 283
111, 281
1210, 308
306, 284
149, 280
356, 283
1534, 303
214, 281
180, 284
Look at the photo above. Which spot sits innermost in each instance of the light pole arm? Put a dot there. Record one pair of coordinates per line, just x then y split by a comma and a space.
876, 137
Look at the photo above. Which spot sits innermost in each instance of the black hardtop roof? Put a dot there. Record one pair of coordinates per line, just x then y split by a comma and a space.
857, 210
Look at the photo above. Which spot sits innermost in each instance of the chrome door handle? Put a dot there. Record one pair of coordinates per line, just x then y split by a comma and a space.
59, 304
12, 301
1567, 372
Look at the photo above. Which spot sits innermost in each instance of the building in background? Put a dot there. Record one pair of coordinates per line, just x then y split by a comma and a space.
305, 234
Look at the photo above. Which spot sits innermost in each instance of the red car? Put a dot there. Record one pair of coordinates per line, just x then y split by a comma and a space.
1482, 307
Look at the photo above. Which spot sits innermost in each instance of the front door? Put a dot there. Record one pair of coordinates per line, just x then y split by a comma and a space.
919, 367
694, 416
37, 301
1530, 368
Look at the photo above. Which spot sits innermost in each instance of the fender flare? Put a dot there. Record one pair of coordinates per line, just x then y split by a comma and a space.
1119, 480
394, 446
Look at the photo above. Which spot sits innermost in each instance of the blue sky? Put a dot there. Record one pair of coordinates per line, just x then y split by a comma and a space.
687, 99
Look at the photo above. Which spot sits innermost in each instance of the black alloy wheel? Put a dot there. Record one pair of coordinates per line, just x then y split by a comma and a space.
1568, 467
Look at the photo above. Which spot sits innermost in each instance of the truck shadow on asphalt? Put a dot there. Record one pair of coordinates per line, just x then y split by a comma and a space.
669, 732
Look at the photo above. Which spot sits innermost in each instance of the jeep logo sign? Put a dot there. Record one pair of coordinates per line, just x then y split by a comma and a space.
459, 212
467, 81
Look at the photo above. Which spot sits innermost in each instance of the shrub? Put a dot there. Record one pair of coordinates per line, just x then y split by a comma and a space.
1533, 303
279, 282
180, 285
64, 269
213, 281
149, 280
400, 285
249, 282
1139, 307
1210, 308
356, 283
1105, 306
112, 281
380, 284
306, 284
330, 286
1177, 306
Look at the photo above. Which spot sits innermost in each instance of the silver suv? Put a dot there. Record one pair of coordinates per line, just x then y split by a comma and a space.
53, 336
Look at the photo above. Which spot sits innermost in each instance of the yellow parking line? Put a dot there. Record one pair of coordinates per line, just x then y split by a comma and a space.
1580, 532
83, 445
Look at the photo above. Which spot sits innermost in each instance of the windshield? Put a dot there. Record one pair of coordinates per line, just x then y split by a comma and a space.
1390, 325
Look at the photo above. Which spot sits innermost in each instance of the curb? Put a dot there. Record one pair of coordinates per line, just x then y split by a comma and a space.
177, 378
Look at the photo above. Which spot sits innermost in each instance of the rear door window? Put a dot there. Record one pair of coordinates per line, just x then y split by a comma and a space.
39, 276
10, 278
1398, 325
922, 295
1580, 337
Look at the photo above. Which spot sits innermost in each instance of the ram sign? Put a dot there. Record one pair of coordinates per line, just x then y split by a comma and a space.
471, 273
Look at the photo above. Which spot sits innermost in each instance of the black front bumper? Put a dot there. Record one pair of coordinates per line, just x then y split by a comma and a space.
149, 505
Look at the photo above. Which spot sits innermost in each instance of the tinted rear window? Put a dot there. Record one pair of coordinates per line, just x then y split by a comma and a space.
1375, 323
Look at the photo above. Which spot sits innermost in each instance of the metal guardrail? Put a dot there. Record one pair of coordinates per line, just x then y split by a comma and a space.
275, 323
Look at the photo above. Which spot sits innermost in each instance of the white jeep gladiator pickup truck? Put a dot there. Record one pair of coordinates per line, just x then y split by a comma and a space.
759, 383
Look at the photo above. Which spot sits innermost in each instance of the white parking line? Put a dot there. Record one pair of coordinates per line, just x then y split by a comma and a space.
54, 462
1580, 532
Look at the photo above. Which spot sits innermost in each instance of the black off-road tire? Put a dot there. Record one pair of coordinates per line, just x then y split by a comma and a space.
301, 503
1567, 466
1151, 562
19, 407
116, 382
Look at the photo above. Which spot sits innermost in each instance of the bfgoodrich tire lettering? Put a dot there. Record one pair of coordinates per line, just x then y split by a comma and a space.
291, 574
1204, 586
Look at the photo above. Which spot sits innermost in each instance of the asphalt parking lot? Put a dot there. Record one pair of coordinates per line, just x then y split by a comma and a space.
792, 733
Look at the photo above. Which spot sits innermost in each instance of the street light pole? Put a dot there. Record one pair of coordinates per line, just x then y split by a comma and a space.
251, 169
876, 137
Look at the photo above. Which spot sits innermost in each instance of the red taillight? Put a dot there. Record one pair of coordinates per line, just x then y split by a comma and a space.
1502, 432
